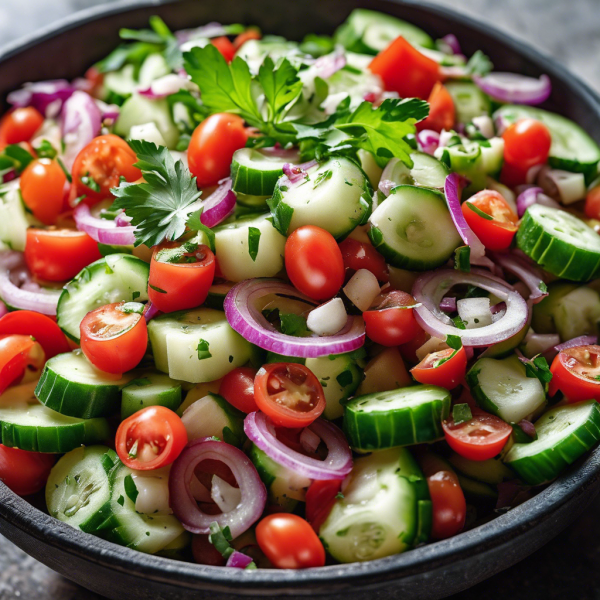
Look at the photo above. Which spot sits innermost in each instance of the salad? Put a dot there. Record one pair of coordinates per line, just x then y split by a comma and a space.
276, 304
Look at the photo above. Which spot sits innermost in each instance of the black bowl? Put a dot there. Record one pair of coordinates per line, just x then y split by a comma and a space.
432, 571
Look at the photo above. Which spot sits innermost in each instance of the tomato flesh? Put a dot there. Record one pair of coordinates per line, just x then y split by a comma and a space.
225, 47
592, 203
526, 143
42, 328
113, 340
289, 393
289, 542
19, 125
576, 373
237, 387
180, 276
24, 472
442, 113
360, 255
392, 322
320, 498
43, 189
151, 438
445, 368
19, 354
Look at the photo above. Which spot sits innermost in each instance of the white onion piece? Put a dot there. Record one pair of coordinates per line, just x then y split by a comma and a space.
153, 495
224, 495
475, 312
445, 138
485, 125
433, 344
328, 318
362, 289
148, 132
201, 420
570, 187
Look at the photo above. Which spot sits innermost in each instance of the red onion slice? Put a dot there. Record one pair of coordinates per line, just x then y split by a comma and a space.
167, 85
430, 288
428, 141
339, 457
534, 195
515, 88
209, 30
219, 205
244, 318
150, 312
33, 297
81, 121
330, 63
529, 274
103, 231
238, 560
448, 304
46, 96
452, 42
528, 427
453, 190
297, 173
183, 503
582, 340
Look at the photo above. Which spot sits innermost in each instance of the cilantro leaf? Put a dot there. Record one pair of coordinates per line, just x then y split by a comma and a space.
203, 350
160, 206
130, 488
253, 242
479, 64
281, 85
454, 342
195, 224
292, 324
15, 157
538, 367
461, 413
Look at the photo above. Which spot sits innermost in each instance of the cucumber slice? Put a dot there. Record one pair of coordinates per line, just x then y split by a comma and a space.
198, 391
150, 389
285, 487
13, 218
71, 386
369, 165
560, 243
255, 172
114, 278
492, 471
427, 171
572, 148
410, 415
39, 429
577, 313
564, 434
218, 419
368, 32
413, 229
542, 320
197, 345
255, 203
385, 509
216, 295
469, 101
249, 247
337, 196
501, 386
78, 486
124, 526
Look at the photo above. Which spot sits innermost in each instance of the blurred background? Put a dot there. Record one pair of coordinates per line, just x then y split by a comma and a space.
568, 567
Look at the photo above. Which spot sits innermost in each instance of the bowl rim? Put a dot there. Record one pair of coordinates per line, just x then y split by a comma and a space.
572, 484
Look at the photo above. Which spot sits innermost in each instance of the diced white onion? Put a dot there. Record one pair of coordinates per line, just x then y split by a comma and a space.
148, 132
153, 495
328, 318
475, 312
431, 345
563, 185
203, 419
362, 289
485, 125
225, 496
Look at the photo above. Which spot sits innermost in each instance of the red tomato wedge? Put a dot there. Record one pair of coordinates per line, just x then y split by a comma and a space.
42, 328
24, 472
576, 373
442, 113
237, 387
445, 368
360, 255
392, 322
18, 354
320, 498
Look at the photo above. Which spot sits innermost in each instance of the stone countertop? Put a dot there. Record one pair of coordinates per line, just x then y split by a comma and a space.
568, 566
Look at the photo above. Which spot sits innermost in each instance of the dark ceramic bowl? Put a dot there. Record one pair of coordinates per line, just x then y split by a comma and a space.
429, 572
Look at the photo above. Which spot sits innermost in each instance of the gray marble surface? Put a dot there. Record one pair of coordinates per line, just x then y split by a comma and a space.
568, 567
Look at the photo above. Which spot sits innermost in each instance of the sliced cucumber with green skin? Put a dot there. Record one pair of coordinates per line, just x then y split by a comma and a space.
254, 172
114, 278
38, 429
469, 101
14, 220
337, 196
427, 171
255, 203
564, 434
212, 416
501, 386
368, 32
492, 471
560, 243
413, 229
249, 247
285, 488
506, 347
150, 389
71, 386
196, 346
78, 486
216, 295
476, 491
410, 415
123, 525
385, 509
465, 158
542, 320
572, 148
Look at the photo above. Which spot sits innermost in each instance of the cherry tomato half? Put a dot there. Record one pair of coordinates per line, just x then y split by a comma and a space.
237, 387
225, 47
114, 339
289, 542
18, 354
24, 472
445, 368
151, 438
59, 254
442, 113
314, 262
42, 328
576, 372
19, 125
405, 70
212, 146
592, 203
320, 498
481, 438
180, 276
391, 323
498, 227
43, 189
360, 255
289, 393
526, 143
250, 34
449, 507
100, 166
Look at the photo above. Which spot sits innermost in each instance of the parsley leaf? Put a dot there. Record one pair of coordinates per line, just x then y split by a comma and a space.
461, 413
454, 342
538, 367
543, 287
46, 150
462, 259
130, 488
253, 242
203, 351
292, 324
479, 64
15, 157
160, 206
